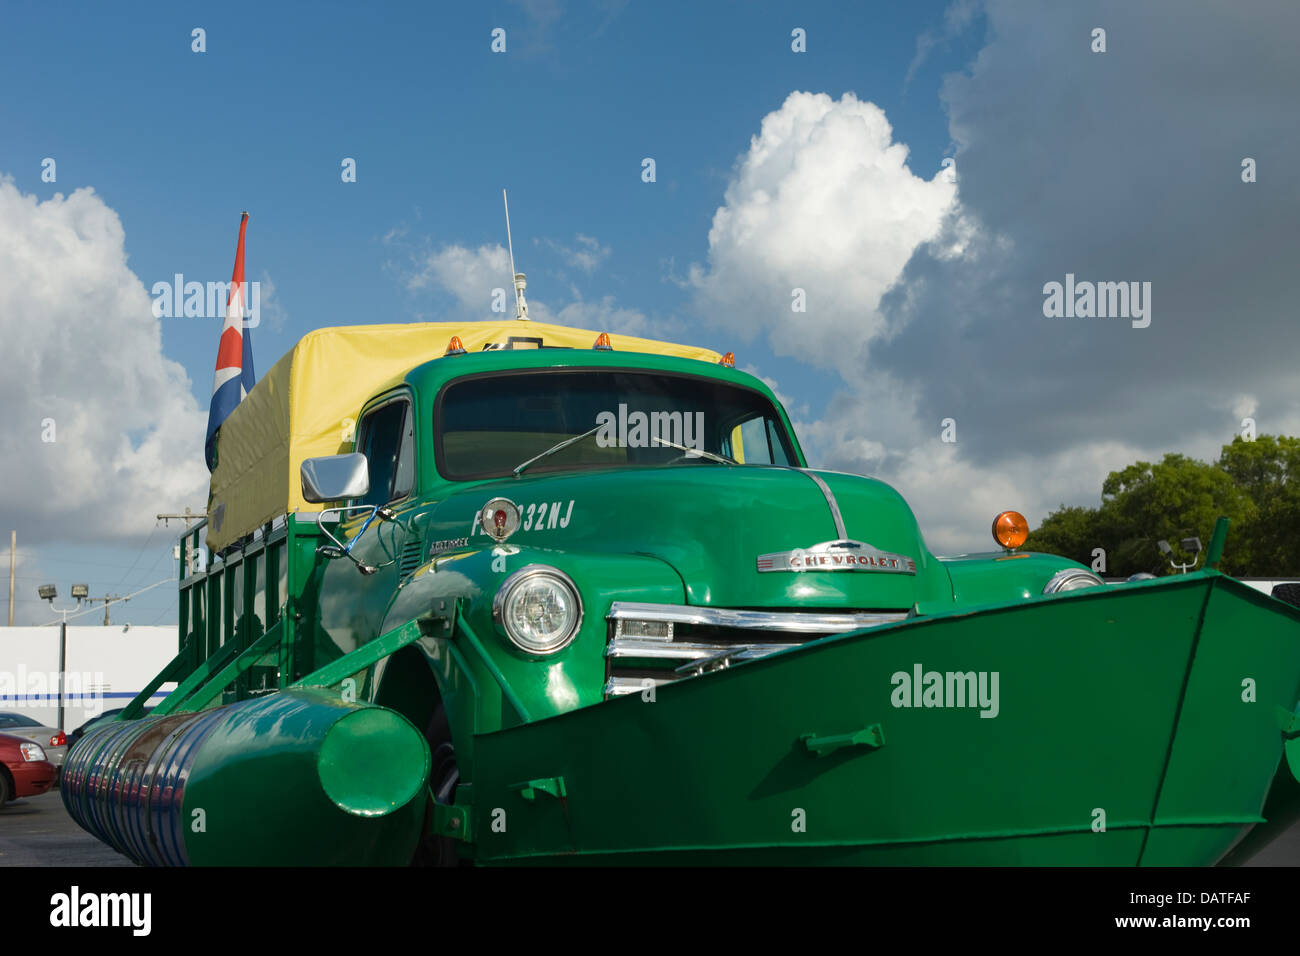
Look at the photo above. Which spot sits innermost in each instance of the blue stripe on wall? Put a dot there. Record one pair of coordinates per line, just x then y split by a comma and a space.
69, 698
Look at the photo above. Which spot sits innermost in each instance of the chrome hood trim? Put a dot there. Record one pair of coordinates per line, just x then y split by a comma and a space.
793, 622
831, 503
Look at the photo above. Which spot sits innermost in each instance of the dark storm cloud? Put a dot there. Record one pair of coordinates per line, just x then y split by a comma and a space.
1115, 166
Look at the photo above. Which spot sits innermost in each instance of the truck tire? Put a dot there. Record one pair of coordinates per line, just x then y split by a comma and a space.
1290, 593
444, 777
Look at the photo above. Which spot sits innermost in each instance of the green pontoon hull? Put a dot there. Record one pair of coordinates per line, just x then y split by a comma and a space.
1136, 725
298, 777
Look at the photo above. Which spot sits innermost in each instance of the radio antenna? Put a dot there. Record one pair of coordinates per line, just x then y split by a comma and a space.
521, 306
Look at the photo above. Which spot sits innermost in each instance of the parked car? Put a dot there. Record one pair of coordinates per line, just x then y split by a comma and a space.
81, 731
52, 740
24, 771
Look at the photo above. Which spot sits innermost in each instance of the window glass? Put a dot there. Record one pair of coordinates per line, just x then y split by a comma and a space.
753, 439
757, 441
404, 481
488, 425
775, 446
383, 440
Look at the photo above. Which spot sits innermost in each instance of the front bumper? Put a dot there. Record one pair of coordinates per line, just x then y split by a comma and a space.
32, 777
691, 640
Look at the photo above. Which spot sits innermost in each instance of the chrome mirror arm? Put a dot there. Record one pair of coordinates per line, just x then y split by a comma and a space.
341, 550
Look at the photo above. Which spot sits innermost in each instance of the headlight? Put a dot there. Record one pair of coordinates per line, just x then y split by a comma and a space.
32, 751
1071, 579
538, 608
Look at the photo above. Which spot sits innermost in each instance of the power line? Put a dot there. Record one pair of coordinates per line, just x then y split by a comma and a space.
139, 554
126, 597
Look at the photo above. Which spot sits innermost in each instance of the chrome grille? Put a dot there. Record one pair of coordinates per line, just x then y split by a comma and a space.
701, 639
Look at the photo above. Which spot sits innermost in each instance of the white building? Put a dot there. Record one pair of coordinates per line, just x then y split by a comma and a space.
105, 668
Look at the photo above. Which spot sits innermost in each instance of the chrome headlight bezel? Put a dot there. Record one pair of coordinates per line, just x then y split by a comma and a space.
1064, 581
530, 575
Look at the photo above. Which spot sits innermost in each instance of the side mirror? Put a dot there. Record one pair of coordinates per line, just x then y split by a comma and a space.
335, 477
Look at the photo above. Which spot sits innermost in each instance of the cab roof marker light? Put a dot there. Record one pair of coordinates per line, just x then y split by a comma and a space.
728, 360
602, 343
1010, 529
455, 346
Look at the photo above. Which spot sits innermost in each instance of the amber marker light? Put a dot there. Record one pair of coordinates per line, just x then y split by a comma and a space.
1010, 529
729, 360
602, 343
454, 347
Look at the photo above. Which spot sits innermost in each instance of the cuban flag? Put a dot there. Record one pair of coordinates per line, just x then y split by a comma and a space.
234, 377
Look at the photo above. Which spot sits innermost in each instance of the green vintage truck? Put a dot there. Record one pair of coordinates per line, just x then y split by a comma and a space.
508, 592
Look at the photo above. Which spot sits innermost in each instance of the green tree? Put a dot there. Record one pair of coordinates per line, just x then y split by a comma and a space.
1072, 532
1177, 498
1256, 484
1268, 470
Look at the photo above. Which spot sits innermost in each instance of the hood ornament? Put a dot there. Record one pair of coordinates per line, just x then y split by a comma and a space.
842, 555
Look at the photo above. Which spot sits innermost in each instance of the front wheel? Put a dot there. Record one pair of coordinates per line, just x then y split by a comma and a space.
444, 778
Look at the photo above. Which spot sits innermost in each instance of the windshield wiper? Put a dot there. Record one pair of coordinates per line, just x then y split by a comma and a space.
519, 469
697, 452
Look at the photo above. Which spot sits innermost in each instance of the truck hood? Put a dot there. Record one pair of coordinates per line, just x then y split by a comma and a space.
713, 523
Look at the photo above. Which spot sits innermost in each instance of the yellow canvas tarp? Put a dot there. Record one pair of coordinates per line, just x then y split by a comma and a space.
306, 405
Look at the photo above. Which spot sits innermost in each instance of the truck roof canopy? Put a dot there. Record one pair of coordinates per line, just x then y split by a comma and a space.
301, 407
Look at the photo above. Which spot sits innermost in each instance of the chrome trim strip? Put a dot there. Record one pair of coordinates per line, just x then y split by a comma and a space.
619, 686
718, 662
687, 650
830, 500
793, 622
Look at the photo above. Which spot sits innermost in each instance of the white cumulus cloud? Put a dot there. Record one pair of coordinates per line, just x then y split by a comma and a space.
824, 202
471, 276
84, 367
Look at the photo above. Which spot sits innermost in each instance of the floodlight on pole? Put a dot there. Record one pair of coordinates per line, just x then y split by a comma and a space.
49, 592
1188, 544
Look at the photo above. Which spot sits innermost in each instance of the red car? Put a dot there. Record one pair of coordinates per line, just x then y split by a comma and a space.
24, 771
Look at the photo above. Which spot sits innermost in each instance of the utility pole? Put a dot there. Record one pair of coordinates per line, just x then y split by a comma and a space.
184, 547
13, 546
107, 599
187, 517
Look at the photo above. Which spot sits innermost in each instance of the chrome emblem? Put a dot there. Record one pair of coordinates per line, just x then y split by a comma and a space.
843, 555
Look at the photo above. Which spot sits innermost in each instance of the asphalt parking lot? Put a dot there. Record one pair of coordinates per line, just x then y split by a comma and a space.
37, 831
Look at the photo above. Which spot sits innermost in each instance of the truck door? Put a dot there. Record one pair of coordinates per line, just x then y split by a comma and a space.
352, 605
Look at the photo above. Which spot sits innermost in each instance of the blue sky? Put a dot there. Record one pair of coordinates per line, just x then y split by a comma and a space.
179, 142
775, 170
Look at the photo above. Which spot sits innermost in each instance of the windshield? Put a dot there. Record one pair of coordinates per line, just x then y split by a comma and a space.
17, 720
489, 425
